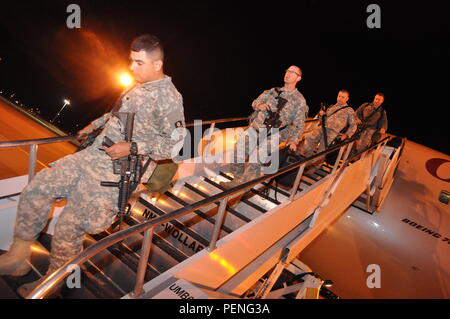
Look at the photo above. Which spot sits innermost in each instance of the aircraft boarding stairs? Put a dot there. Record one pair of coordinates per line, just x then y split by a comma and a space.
204, 245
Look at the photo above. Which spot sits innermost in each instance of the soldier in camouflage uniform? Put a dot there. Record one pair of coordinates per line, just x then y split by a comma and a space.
340, 122
373, 120
292, 116
90, 207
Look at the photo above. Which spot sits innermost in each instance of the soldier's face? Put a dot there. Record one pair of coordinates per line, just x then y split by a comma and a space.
292, 75
342, 98
378, 100
143, 67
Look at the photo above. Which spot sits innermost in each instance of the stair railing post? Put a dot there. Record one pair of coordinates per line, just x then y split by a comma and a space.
143, 260
338, 159
32, 162
347, 151
218, 224
297, 182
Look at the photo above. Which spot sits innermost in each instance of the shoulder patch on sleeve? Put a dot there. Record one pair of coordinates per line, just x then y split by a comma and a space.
178, 124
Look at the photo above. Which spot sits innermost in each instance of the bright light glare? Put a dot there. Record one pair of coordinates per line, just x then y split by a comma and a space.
66, 101
125, 79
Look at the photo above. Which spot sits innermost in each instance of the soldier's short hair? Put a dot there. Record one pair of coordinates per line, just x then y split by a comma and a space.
345, 91
380, 94
150, 44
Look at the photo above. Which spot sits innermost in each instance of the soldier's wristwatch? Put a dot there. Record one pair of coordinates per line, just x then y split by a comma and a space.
133, 148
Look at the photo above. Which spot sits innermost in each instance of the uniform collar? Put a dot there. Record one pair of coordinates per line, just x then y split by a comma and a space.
157, 83
288, 92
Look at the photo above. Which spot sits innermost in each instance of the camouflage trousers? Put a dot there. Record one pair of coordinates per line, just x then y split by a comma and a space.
313, 142
255, 151
90, 207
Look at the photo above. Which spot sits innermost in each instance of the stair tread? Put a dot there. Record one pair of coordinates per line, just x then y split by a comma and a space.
91, 279
199, 212
177, 223
229, 209
6, 292
262, 210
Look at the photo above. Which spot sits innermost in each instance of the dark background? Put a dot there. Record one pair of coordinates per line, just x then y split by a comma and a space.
223, 54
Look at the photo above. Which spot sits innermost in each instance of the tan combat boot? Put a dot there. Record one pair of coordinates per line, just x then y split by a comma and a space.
251, 171
26, 289
16, 261
235, 182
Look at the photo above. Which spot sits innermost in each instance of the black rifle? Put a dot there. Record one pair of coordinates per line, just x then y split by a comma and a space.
273, 118
93, 135
90, 139
323, 123
129, 168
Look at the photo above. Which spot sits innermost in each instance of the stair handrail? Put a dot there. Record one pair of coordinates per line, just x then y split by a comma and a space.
38, 141
46, 285
59, 139
33, 143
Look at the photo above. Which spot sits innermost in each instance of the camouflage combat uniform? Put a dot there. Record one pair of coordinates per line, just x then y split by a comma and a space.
294, 112
335, 122
90, 207
373, 121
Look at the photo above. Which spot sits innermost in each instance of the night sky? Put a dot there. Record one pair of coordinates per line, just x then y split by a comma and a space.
222, 54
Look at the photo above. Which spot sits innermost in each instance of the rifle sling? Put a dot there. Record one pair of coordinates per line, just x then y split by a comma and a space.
378, 109
324, 129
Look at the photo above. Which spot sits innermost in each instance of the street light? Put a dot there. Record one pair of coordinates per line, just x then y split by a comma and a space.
66, 102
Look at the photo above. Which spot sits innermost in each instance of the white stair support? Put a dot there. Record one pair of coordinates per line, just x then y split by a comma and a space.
32, 162
267, 286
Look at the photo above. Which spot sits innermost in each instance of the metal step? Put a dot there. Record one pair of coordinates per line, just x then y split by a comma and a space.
176, 223
279, 190
190, 226
6, 292
231, 223
202, 221
176, 233
94, 283
260, 198
255, 191
246, 201
163, 255
39, 262
228, 208
312, 177
112, 267
306, 182
127, 255
322, 173
207, 214
247, 212
129, 250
